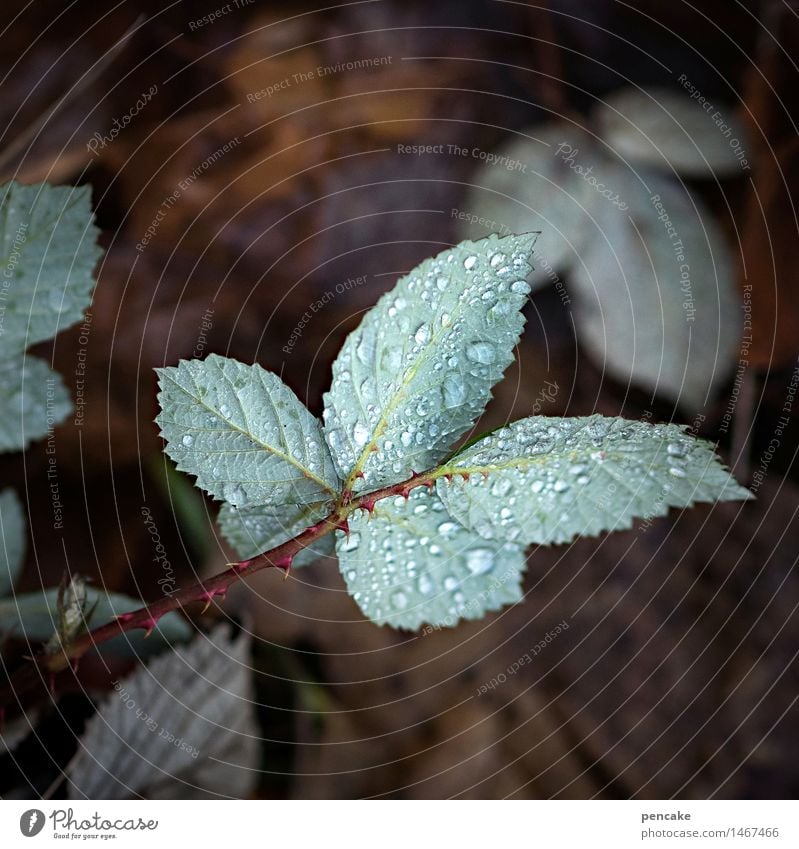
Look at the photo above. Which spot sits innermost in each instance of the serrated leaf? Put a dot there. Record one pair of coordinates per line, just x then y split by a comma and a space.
34, 399
548, 480
669, 130
181, 728
654, 298
410, 563
35, 616
13, 538
540, 191
244, 434
253, 530
418, 371
49, 249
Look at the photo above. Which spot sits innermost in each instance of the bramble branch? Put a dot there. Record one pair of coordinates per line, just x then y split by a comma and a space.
45, 665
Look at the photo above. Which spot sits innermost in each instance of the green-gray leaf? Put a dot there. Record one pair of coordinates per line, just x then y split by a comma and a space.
244, 434
34, 399
418, 371
35, 616
548, 195
253, 530
666, 129
655, 296
13, 539
411, 563
49, 250
547, 480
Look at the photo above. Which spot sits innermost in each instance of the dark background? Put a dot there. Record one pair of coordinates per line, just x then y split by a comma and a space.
678, 673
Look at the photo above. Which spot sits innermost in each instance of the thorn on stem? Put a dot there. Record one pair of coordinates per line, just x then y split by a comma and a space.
343, 525
149, 625
368, 504
284, 563
209, 595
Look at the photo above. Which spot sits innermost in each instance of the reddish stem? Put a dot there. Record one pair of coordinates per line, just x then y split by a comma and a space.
147, 617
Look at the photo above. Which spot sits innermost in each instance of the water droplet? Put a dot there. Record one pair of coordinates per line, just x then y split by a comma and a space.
453, 391
677, 472
560, 486
422, 334
360, 434
234, 494
447, 528
501, 488
188, 440
57, 300
442, 283
406, 438
425, 585
399, 600
479, 561
352, 542
450, 582
675, 449
497, 259
481, 352
520, 287
470, 262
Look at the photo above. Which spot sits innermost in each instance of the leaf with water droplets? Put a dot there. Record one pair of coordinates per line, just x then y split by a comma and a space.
34, 400
49, 248
418, 371
547, 480
13, 539
410, 563
244, 434
253, 530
